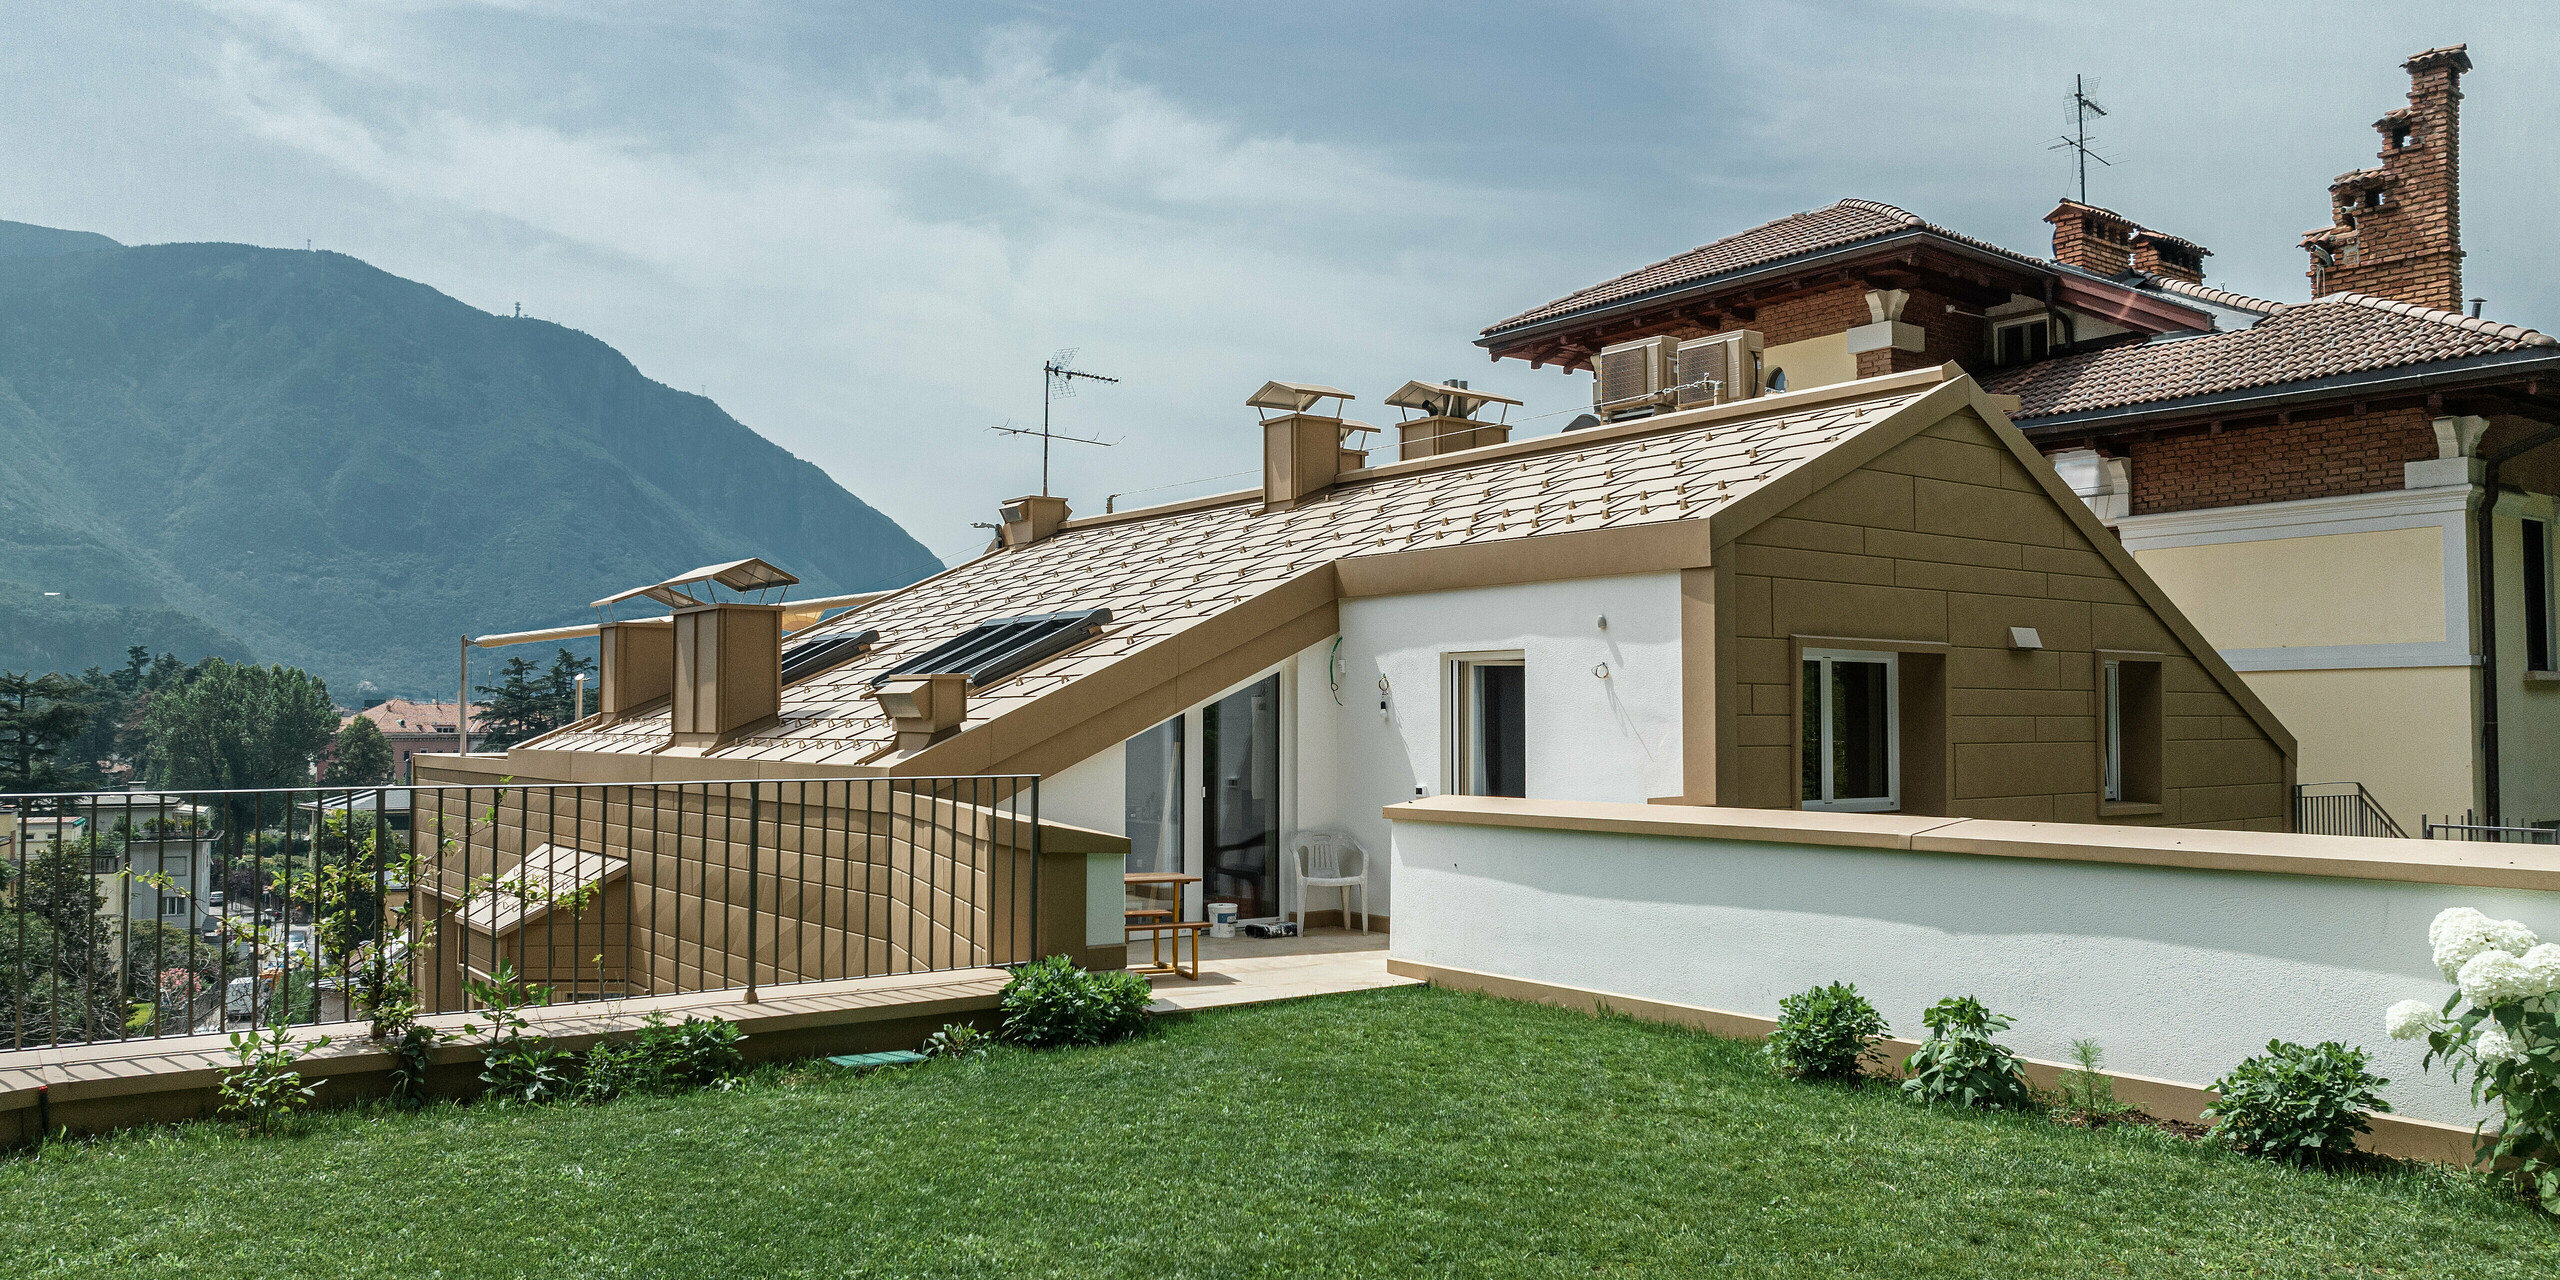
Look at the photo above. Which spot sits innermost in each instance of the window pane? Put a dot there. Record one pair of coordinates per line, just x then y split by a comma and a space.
2537, 595
1861, 763
1812, 719
2114, 731
1154, 798
1502, 739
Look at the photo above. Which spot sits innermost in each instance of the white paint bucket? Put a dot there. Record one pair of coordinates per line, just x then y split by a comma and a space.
1222, 919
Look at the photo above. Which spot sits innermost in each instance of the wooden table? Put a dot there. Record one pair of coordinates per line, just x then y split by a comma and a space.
1159, 923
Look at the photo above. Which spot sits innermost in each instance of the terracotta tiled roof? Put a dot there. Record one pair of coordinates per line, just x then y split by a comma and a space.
1162, 576
2218, 297
1831, 227
401, 715
2341, 333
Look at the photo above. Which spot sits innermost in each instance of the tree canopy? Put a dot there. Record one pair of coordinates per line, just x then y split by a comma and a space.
238, 726
358, 755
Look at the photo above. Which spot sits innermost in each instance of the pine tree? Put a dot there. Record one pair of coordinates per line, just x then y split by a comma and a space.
518, 706
39, 716
566, 667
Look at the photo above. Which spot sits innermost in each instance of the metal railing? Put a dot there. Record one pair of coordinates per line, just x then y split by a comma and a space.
2341, 809
129, 915
2467, 829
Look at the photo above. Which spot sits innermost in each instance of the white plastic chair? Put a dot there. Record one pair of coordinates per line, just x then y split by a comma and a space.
1331, 860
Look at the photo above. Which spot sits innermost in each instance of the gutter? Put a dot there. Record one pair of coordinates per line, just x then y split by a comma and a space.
2496, 365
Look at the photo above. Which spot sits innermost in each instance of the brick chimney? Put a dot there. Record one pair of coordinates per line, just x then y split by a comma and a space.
2395, 231
2157, 253
2092, 239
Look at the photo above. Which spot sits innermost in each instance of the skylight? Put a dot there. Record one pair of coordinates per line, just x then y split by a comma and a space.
998, 647
809, 657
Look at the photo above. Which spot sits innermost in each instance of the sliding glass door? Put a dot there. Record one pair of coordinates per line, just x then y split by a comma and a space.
1240, 813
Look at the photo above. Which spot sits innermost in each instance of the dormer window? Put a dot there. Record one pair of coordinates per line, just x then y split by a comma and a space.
2021, 341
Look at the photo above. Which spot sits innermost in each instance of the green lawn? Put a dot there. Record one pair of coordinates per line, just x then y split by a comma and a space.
1394, 1132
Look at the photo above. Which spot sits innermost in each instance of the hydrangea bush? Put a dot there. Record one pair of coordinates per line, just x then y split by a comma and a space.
1823, 1032
2501, 1026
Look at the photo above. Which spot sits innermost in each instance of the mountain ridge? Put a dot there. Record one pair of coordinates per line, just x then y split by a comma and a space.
298, 457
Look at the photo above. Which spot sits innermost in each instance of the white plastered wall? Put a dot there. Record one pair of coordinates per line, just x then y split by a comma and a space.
1590, 737
2178, 974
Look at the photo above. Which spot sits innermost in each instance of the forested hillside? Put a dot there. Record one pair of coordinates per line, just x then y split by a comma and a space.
293, 456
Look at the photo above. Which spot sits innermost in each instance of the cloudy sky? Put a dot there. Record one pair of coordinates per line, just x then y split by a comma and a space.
861, 228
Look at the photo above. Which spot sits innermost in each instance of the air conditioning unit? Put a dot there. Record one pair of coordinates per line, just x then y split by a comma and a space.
1633, 378
1718, 370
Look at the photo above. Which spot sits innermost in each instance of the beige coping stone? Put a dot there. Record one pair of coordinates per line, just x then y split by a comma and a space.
1785, 826
2448, 862
2479, 864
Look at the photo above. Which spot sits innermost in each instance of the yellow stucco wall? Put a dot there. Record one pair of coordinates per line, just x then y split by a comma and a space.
1814, 362
2385, 587
2421, 766
2528, 709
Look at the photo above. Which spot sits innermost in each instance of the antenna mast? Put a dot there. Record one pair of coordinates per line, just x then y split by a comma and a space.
2077, 141
1058, 382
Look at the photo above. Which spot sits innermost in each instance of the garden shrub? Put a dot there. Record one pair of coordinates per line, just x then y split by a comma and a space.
1823, 1031
2502, 1026
663, 1057
956, 1040
265, 1090
516, 1065
1053, 1003
1960, 1063
2301, 1105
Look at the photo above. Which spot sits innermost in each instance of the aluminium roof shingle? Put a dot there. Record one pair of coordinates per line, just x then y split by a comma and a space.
1163, 575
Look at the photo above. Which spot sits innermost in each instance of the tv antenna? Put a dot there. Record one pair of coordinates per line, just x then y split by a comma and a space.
2077, 141
1057, 382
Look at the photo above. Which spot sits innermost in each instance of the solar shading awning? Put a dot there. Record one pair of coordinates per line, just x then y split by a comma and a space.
998, 647
749, 574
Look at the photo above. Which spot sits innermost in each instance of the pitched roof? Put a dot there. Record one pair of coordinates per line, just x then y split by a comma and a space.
2338, 334
550, 875
1834, 226
1167, 575
402, 715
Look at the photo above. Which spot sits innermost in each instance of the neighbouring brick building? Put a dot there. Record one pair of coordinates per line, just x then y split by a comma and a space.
411, 727
2352, 495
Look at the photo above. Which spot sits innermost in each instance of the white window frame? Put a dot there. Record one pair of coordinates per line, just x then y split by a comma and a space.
2114, 729
1891, 800
1462, 769
1999, 327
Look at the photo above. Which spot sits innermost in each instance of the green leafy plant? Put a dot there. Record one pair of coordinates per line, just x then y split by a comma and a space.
663, 1057
516, 1065
2501, 1026
2297, 1104
265, 1091
2088, 1092
1960, 1063
1822, 1032
1052, 1003
412, 1052
956, 1040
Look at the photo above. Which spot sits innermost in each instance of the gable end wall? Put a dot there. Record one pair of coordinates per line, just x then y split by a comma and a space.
1946, 540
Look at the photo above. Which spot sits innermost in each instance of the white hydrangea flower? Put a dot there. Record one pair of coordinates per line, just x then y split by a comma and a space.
2460, 934
2490, 1043
2410, 1019
2494, 977
2543, 962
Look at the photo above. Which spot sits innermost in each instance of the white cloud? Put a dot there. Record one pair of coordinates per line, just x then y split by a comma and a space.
870, 273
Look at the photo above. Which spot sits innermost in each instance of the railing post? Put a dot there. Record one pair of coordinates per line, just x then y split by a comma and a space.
755, 816
1036, 911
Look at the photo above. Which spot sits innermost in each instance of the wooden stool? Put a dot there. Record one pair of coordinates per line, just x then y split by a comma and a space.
1157, 931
